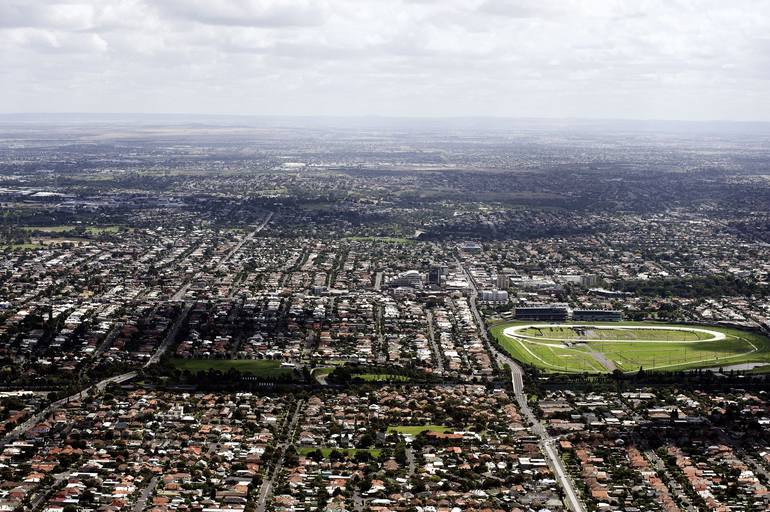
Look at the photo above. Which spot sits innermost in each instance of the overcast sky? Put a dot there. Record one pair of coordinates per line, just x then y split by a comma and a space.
643, 59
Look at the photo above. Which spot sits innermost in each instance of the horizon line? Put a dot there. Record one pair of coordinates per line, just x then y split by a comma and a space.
479, 117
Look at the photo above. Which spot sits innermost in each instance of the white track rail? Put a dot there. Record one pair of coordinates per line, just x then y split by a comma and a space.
513, 332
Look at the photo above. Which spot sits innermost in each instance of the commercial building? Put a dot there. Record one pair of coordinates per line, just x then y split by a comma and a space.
410, 278
584, 280
536, 283
495, 296
471, 248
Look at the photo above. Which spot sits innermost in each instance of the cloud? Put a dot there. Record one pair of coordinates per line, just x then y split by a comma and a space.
521, 8
75, 15
247, 13
584, 58
20, 13
47, 41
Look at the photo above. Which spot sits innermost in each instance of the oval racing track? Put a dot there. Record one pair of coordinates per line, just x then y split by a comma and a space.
513, 332
524, 341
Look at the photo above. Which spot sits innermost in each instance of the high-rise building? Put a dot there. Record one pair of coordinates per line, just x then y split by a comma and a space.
437, 274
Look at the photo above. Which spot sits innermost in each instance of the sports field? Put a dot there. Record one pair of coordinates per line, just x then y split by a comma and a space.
628, 346
349, 452
258, 367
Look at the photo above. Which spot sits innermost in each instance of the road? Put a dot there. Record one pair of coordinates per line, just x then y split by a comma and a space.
320, 377
437, 356
602, 359
180, 294
675, 488
517, 380
382, 346
108, 339
358, 501
242, 242
50, 490
54, 406
412, 466
339, 262
267, 485
182, 291
291, 267
234, 285
141, 503
171, 335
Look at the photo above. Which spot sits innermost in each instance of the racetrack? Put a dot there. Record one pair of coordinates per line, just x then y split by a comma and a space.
628, 346
514, 332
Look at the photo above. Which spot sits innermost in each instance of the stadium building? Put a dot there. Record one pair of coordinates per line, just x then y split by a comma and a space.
552, 312
597, 315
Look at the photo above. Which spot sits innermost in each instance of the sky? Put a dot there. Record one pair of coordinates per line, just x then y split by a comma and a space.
593, 59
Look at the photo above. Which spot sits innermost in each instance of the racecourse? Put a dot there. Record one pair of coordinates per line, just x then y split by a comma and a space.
628, 346
515, 332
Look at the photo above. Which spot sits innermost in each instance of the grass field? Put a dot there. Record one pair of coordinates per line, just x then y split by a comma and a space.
304, 450
414, 430
91, 230
599, 334
98, 230
49, 229
627, 346
260, 367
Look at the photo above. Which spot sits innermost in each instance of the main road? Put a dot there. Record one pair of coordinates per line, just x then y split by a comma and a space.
517, 379
245, 239
171, 335
54, 406
437, 354
182, 291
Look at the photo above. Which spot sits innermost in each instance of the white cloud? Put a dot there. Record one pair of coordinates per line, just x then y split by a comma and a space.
586, 58
254, 13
